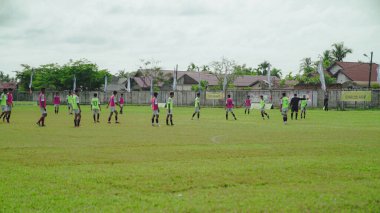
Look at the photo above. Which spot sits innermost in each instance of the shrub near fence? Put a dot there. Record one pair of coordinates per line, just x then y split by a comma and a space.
186, 98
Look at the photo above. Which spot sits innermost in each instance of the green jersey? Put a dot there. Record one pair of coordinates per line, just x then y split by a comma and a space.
303, 103
75, 102
169, 103
70, 99
262, 104
4, 98
95, 103
197, 102
285, 102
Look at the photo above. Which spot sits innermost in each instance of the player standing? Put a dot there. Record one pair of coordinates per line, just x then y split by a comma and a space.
42, 105
76, 108
155, 109
169, 107
262, 108
229, 107
197, 104
284, 106
69, 100
57, 102
95, 107
247, 104
121, 103
3, 103
294, 102
303, 107
112, 104
9, 104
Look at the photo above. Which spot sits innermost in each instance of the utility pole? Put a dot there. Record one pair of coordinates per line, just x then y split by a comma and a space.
370, 71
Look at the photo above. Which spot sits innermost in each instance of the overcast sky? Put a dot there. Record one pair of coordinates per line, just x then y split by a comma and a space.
115, 34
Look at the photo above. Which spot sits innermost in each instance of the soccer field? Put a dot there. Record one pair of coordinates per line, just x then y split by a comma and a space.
328, 162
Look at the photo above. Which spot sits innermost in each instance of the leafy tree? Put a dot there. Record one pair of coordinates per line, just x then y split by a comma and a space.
56, 77
222, 68
327, 59
192, 67
339, 51
276, 72
262, 69
204, 85
243, 70
151, 69
5, 77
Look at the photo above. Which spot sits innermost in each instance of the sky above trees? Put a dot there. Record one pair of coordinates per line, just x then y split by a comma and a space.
117, 34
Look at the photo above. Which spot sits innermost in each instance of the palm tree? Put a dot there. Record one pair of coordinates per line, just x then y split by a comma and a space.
276, 72
339, 51
192, 67
306, 65
327, 58
262, 68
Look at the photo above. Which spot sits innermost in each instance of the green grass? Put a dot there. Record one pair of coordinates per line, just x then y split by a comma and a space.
329, 162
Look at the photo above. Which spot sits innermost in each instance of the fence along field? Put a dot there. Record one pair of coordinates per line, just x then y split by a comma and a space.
186, 98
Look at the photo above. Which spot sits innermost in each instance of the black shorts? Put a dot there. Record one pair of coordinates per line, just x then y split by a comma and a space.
294, 109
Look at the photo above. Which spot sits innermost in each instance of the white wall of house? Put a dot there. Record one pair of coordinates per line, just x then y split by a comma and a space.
335, 69
341, 78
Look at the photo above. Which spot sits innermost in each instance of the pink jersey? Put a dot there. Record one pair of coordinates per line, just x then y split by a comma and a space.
10, 98
229, 103
154, 104
121, 101
112, 101
248, 102
42, 100
57, 100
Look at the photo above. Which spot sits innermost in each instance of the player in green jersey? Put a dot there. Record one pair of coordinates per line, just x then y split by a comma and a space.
69, 100
284, 107
303, 107
3, 103
95, 107
76, 108
197, 105
262, 108
169, 107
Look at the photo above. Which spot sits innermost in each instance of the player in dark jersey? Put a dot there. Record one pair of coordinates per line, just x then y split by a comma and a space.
294, 102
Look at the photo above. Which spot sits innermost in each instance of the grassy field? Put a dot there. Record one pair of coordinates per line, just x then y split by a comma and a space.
328, 162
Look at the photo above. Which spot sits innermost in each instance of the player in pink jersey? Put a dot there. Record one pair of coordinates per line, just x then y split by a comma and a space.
9, 105
247, 104
229, 107
42, 105
121, 103
155, 109
112, 104
56, 102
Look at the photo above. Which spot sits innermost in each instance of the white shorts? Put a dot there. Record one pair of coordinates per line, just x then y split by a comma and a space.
229, 110
9, 108
155, 112
42, 110
95, 111
69, 105
112, 109
4, 108
76, 111
284, 111
197, 109
121, 105
247, 107
56, 105
262, 110
303, 108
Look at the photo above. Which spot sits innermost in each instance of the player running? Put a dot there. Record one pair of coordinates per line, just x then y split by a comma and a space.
76, 108
3, 103
229, 107
247, 104
95, 107
169, 107
284, 106
197, 104
294, 102
112, 104
262, 108
155, 109
303, 107
42, 105
69, 100
121, 103
9, 105
57, 102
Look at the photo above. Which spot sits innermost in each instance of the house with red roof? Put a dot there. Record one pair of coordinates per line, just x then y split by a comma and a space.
353, 72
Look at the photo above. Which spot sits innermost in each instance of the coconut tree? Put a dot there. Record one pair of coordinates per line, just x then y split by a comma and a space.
339, 51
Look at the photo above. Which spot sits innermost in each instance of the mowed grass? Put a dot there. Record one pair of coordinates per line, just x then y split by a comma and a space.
328, 162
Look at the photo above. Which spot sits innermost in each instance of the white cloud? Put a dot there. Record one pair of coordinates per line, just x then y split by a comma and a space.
116, 34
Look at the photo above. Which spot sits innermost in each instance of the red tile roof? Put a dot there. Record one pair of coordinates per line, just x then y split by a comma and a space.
357, 71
